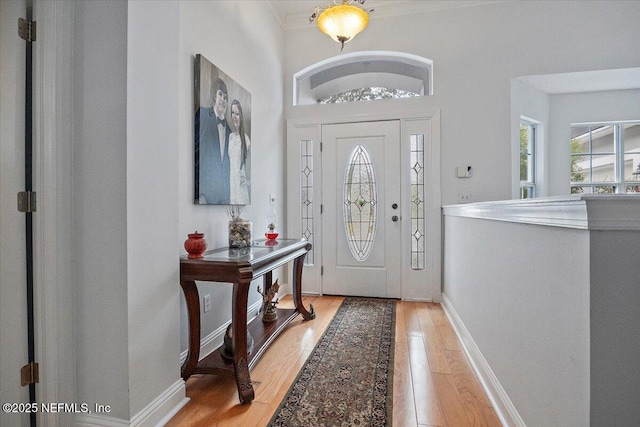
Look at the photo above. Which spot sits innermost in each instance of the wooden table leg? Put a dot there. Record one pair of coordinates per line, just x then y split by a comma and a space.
239, 340
192, 299
298, 263
267, 281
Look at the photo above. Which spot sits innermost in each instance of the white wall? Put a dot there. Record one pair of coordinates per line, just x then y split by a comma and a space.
476, 51
544, 294
152, 176
615, 316
245, 41
100, 205
523, 293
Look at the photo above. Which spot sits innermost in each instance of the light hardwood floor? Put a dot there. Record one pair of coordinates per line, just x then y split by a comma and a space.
434, 384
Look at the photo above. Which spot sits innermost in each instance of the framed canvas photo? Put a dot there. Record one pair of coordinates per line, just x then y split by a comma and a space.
222, 148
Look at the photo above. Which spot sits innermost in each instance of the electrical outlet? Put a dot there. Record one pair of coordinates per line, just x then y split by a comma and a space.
464, 197
206, 303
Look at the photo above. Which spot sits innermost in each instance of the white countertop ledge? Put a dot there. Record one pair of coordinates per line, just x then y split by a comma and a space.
586, 212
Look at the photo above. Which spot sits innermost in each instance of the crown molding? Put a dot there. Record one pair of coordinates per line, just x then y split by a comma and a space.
298, 20
278, 11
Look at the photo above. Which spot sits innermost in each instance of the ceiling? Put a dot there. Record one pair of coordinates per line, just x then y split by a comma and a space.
295, 13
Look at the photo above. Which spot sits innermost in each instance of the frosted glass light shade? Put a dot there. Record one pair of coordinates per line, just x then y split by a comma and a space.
343, 22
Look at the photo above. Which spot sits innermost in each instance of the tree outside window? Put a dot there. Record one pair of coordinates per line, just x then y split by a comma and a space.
527, 159
605, 157
367, 94
577, 174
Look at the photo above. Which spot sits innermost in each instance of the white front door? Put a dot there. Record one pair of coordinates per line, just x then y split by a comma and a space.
361, 219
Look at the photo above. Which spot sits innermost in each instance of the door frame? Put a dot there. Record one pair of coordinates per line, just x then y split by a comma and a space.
309, 128
53, 269
53, 218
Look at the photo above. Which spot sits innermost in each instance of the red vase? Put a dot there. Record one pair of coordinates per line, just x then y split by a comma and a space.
195, 245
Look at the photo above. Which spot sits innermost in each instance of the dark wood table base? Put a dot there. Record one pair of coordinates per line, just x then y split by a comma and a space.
240, 267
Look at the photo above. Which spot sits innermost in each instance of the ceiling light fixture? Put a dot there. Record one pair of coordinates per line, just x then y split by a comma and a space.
342, 21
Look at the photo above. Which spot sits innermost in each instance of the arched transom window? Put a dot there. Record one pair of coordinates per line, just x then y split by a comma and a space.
364, 76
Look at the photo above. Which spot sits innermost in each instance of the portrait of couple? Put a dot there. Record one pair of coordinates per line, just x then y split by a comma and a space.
222, 138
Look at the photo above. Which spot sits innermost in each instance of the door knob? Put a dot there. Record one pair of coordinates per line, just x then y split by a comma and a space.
394, 206
394, 218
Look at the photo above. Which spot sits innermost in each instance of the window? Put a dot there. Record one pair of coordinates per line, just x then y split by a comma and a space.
528, 137
367, 94
605, 157
370, 73
417, 202
306, 195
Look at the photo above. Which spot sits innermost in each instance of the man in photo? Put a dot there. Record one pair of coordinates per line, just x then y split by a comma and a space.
212, 149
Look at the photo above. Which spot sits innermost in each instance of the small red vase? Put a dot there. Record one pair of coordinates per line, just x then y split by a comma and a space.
195, 245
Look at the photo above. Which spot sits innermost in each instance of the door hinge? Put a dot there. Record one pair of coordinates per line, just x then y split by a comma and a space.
321, 146
321, 209
29, 374
322, 270
27, 201
27, 30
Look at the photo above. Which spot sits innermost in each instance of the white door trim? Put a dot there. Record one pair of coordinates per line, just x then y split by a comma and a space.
53, 272
426, 287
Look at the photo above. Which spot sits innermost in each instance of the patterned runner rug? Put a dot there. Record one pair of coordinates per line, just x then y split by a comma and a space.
348, 378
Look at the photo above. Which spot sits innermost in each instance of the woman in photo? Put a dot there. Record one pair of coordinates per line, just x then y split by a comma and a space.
239, 143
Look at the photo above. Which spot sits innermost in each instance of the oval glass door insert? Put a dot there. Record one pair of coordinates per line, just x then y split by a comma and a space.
359, 206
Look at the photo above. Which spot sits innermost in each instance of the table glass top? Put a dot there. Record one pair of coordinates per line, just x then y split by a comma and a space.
258, 249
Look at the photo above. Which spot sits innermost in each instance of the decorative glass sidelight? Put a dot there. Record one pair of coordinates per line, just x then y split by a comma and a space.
417, 202
360, 198
306, 193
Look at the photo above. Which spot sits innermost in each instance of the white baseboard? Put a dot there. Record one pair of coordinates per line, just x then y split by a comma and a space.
503, 406
92, 420
418, 299
156, 413
211, 342
285, 289
163, 407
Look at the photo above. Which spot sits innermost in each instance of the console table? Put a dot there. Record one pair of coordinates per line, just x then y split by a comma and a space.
239, 267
